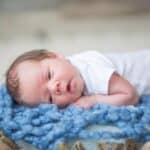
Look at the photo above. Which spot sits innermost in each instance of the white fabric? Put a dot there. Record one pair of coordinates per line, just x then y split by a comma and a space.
135, 67
95, 69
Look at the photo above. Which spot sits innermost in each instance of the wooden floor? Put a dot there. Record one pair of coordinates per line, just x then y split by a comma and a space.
127, 145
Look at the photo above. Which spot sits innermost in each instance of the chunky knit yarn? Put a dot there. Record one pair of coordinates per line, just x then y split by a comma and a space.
46, 125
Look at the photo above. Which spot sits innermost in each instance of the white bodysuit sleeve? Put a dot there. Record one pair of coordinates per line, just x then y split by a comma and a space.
96, 70
99, 72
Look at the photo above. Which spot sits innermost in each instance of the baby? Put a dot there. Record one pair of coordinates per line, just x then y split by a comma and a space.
85, 79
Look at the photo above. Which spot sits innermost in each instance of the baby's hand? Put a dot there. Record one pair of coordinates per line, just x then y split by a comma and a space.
85, 101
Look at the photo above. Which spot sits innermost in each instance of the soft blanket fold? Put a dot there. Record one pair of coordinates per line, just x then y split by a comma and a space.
46, 125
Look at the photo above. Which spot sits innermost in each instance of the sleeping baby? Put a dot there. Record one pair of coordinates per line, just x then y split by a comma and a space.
84, 79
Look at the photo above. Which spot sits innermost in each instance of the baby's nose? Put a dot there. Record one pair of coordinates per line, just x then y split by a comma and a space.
54, 87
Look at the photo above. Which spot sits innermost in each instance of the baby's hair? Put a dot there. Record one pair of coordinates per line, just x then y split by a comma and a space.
12, 80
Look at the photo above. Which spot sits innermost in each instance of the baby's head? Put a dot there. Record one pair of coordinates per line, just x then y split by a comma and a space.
40, 76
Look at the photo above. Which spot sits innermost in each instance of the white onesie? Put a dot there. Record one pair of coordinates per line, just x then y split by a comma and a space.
96, 69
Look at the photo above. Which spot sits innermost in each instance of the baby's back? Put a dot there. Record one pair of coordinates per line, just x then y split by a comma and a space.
135, 67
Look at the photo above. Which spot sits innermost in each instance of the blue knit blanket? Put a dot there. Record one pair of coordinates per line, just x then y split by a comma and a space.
46, 125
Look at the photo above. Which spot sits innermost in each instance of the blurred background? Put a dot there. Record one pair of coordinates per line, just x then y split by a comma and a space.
71, 26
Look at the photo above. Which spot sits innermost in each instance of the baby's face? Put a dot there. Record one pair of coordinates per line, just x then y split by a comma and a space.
51, 80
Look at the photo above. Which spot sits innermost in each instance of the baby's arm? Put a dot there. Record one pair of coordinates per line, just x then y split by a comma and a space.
121, 92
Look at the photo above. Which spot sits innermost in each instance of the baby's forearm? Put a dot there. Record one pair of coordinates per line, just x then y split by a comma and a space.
116, 99
119, 99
